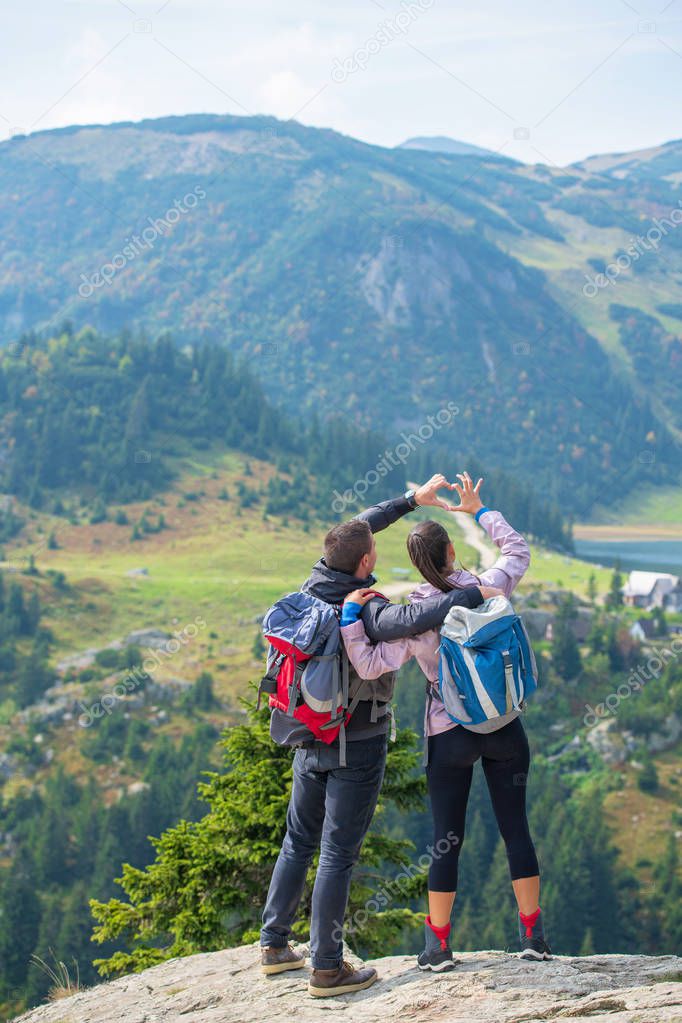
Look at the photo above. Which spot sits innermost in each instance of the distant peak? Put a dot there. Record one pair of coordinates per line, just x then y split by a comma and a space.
443, 144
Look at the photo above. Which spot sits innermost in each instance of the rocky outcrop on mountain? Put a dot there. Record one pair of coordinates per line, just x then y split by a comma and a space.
485, 987
147, 639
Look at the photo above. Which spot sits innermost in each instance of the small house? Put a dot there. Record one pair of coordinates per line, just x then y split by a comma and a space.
649, 589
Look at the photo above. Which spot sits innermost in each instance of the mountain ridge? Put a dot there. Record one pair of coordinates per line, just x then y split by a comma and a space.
344, 271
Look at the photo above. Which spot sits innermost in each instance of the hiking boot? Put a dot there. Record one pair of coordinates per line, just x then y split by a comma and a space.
437, 954
437, 960
344, 980
535, 948
532, 937
278, 959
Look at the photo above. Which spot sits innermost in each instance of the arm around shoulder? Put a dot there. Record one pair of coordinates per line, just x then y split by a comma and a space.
383, 620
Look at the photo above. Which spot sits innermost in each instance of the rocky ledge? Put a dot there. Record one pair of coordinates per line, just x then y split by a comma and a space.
495, 987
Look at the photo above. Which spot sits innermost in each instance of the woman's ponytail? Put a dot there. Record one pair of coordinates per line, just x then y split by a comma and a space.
427, 545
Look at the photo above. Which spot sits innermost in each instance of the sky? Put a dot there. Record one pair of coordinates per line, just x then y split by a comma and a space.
538, 81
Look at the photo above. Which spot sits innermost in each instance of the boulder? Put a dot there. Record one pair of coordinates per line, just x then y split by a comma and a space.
151, 639
607, 741
485, 987
536, 622
668, 736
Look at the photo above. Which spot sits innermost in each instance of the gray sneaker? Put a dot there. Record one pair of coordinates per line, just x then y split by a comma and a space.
279, 959
437, 960
535, 948
532, 937
437, 954
345, 980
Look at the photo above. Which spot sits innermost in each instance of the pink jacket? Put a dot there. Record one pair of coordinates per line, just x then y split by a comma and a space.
371, 660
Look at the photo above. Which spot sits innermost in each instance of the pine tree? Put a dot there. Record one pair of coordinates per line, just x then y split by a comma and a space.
614, 598
33, 677
565, 650
20, 910
647, 779
201, 694
668, 898
258, 647
658, 616
206, 887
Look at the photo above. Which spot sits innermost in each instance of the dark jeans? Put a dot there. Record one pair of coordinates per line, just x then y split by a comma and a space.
332, 806
505, 758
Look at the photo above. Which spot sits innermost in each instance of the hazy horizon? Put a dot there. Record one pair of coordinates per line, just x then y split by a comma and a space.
536, 84
322, 127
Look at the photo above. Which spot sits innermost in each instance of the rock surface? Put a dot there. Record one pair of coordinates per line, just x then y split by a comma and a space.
485, 987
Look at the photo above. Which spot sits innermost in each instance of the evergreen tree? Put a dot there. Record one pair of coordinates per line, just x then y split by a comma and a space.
614, 598
668, 898
647, 779
33, 677
206, 887
658, 616
565, 650
258, 647
201, 694
20, 914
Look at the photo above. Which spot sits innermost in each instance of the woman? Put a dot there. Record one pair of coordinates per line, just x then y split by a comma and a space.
453, 749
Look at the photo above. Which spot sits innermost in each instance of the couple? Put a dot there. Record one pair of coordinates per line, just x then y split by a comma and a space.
332, 806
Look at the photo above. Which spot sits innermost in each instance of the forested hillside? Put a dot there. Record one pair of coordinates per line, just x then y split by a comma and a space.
83, 416
373, 283
80, 799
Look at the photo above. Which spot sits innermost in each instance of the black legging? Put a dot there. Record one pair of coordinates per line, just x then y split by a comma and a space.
505, 757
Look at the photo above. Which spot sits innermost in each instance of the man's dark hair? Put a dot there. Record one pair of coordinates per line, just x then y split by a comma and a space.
345, 545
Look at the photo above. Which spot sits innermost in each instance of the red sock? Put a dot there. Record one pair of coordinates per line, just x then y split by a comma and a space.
529, 921
442, 933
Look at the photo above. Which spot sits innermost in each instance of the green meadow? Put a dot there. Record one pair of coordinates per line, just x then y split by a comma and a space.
215, 561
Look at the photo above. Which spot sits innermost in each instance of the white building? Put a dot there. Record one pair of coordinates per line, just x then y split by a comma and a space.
653, 589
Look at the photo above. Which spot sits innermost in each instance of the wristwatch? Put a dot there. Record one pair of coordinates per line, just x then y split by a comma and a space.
411, 498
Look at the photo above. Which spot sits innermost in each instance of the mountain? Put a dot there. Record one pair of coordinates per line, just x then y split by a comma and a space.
443, 144
656, 163
379, 284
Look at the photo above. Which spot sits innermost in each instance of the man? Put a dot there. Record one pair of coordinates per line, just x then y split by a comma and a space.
332, 805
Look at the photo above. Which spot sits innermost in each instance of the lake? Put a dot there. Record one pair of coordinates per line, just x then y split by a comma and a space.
646, 555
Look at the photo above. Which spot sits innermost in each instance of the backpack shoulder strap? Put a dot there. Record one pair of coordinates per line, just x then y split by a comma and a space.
268, 683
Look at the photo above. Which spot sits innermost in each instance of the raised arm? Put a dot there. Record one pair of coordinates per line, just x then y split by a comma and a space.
514, 558
381, 516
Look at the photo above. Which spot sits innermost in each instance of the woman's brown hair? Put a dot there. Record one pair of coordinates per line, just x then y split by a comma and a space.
427, 545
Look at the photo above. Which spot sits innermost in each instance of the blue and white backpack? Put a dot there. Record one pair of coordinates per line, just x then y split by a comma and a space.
487, 667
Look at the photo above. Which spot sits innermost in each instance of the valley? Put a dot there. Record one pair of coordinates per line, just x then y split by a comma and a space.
175, 442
